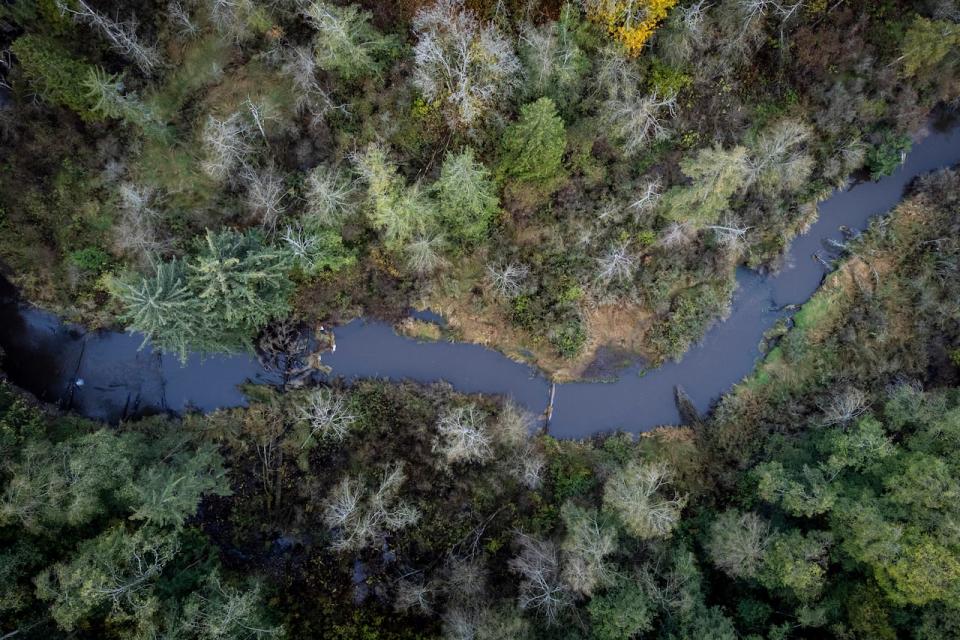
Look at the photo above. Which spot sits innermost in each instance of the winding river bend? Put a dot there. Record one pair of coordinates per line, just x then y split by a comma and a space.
119, 379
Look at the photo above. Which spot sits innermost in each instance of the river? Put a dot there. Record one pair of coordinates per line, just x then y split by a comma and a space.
121, 380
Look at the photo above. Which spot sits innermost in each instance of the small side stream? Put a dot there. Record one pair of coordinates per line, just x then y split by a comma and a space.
120, 380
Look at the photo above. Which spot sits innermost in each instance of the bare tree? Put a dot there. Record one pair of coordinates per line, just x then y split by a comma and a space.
507, 280
738, 542
460, 623
360, 518
648, 199
343, 502
673, 587
331, 195
465, 577
122, 36
777, 161
633, 118
528, 465
844, 406
638, 494
616, 265
226, 145
637, 119
327, 415
300, 65
946, 10
425, 253
458, 61
415, 594
677, 234
260, 113
265, 194
138, 233
180, 19
746, 19
300, 243
462, 435
513, 425
552, 60
693, 16
585, 546
730, 233
232, 17
541, 587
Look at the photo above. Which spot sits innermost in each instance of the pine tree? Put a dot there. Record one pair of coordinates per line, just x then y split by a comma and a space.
215, 301
117, 568
55, 74
105, 91
69, 483
927, 44
346, 43
533, 146
398, 211
467, 198
240, 284
170, 493
161, 307
716, 175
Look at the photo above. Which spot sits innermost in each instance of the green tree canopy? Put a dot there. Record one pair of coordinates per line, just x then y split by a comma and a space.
533, 146
346, 43
716, 174
927, 43
214, 301
468, 201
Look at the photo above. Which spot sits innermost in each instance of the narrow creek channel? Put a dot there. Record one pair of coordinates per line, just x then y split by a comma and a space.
119, 379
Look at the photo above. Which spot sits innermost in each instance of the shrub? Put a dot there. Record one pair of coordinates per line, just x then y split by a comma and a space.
884, 158
569, 339
92, 259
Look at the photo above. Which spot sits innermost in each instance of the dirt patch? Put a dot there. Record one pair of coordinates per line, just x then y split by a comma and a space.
614, 328
620, 326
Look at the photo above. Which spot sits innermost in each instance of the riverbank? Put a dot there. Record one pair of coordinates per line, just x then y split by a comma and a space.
123, 380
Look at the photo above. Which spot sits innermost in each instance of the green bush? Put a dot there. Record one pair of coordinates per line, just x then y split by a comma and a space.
569, 339
884, 158
93, 259
666, 80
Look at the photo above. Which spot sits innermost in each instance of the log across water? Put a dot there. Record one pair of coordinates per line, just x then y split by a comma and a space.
48, 357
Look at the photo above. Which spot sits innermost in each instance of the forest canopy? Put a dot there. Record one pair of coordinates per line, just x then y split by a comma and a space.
554, 178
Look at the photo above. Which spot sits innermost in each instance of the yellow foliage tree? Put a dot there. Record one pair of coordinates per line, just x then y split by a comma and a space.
632, 22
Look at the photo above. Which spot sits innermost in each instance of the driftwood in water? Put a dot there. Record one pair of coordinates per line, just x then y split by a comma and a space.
688, 411
548, 412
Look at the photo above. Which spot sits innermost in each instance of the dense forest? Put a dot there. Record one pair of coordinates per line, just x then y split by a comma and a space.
552, 178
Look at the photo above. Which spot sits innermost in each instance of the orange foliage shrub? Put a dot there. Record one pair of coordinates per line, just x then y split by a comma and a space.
632, 22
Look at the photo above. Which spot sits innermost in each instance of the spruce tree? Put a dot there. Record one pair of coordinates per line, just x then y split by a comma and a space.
533, 146
468, 201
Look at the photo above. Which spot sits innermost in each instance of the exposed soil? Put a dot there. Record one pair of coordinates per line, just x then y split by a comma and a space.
612, 330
